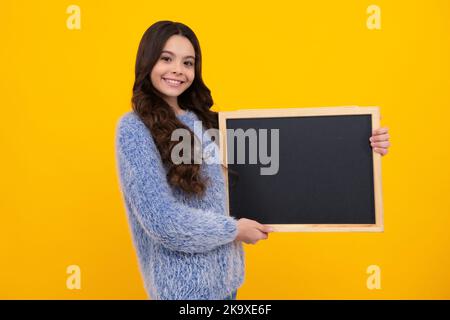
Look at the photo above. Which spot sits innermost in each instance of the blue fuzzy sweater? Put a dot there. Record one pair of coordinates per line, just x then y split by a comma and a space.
185, 246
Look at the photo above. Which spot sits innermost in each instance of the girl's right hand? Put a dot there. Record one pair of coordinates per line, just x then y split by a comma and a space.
250, 231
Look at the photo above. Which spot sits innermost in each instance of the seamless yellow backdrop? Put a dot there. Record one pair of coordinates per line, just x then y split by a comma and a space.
64, 90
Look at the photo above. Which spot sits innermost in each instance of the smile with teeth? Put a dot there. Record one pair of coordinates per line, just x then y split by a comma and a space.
173, 83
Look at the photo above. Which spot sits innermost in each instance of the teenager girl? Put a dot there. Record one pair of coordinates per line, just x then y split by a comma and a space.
187, 245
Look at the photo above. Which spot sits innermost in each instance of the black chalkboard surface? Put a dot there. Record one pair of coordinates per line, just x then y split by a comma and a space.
324, 175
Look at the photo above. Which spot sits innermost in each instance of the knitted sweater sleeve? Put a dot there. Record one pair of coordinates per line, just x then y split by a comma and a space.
165, 219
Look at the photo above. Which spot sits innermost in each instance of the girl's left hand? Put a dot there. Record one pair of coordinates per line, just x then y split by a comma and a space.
379, 141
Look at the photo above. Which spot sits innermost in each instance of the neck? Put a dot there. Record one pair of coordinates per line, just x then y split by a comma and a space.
173, 103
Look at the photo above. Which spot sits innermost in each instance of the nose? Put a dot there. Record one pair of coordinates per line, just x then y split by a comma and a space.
177, 69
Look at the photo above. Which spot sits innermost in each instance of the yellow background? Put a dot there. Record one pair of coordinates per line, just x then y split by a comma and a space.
63, 90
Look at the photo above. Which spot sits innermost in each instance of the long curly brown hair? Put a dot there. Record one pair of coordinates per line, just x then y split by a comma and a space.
157, 114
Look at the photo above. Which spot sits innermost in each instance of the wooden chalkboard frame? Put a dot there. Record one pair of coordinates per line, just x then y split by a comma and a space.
317, 111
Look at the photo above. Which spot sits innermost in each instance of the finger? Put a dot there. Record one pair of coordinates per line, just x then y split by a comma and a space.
263, 228
380, 137
266, 228
382, 144
383, 152
380, 130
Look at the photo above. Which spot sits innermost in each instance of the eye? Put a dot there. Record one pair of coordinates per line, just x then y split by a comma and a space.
165, 58
189, 63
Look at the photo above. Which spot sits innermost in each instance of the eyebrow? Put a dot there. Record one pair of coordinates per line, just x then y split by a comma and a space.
170, 52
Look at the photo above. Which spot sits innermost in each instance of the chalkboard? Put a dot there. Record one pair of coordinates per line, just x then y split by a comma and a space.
322, 175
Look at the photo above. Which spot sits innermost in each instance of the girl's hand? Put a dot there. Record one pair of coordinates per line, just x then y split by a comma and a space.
250, 231
380, 141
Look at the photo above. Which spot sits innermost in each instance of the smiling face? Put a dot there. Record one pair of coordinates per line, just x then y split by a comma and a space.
174, 71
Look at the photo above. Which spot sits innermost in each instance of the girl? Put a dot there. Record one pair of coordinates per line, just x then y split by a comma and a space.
188, 247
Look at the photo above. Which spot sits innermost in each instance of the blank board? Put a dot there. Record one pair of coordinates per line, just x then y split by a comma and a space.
328, 177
